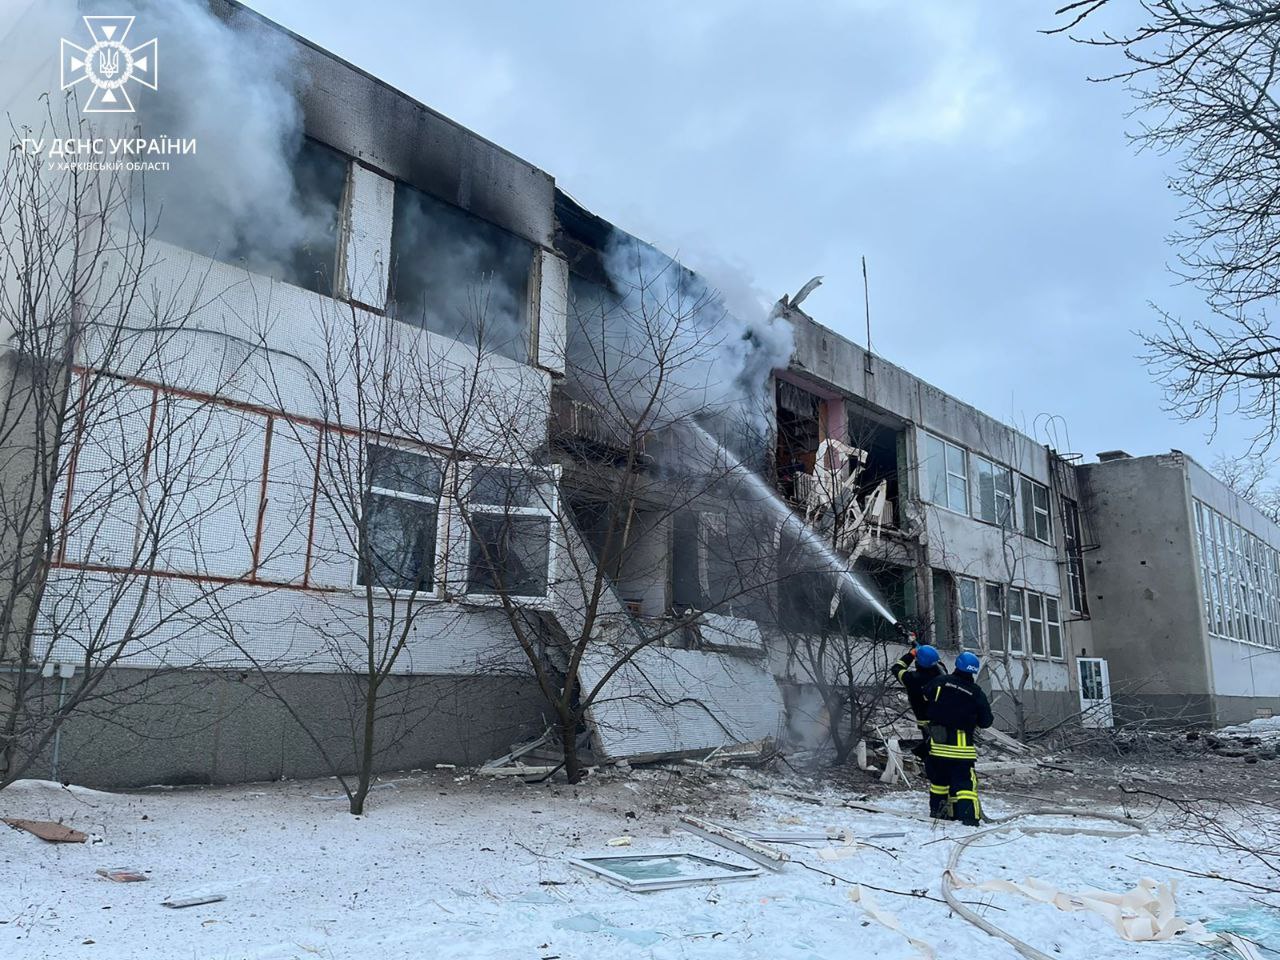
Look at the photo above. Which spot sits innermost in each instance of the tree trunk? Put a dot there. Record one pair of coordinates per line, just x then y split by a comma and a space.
365, 776
569, 746
836, 715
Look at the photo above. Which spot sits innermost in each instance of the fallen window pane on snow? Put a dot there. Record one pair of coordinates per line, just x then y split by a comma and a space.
661, 871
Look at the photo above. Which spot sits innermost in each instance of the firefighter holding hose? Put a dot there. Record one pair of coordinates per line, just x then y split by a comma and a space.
957, 707
928, 667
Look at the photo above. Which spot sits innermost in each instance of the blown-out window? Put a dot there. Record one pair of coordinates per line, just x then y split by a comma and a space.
1075, 555
509, 515
457, 275
401, 508
301, 248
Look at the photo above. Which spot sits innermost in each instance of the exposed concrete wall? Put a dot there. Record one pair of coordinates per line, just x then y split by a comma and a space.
1144, 590
220, 727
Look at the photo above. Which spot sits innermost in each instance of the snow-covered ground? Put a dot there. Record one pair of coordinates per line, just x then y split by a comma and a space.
445, 867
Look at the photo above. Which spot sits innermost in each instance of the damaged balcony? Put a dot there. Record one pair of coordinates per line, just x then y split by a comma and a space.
837, 457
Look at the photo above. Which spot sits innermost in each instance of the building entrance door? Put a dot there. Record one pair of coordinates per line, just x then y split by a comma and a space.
1095, 692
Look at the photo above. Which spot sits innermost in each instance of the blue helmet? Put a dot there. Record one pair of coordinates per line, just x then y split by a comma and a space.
926, 655
968, 662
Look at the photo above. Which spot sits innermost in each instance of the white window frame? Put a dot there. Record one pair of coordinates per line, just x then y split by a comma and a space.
1053, 626
1034, 600
435, 592
948, 474
549, 476
1240, 580
1033, 513
962, 609
1001, 613
1020, 619
1002, 502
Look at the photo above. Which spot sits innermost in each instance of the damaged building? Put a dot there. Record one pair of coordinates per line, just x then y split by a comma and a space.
963, 529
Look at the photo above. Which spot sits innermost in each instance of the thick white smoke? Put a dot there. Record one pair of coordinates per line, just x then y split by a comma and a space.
714, 349
230, 87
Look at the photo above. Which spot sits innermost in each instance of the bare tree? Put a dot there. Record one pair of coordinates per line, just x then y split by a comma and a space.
380, 423
640, 439
106, 477
1203, 73
1249, 477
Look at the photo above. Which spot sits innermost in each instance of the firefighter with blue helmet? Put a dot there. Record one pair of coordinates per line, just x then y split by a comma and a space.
928, 668
957, 707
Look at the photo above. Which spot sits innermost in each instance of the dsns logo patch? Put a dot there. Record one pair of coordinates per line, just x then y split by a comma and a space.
109, 65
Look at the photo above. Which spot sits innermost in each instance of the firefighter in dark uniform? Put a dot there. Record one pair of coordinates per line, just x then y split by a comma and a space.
957, 706
928, 668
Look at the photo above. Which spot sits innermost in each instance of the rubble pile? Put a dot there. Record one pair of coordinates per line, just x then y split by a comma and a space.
1253, 742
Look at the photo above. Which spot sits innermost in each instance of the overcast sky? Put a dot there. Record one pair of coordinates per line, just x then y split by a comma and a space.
1013, 236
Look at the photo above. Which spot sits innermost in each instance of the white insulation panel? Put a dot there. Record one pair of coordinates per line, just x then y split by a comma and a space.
681, 701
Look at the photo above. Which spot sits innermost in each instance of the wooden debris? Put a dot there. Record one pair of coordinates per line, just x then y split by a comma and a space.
122, 874
177, 903
48, 830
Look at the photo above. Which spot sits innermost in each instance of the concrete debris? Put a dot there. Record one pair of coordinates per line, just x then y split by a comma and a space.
998, 768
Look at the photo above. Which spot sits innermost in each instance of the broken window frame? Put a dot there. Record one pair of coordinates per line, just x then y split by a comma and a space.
235, 255
939, 453
1077, 600
970, 630
725, 872
544, 484
424, 590
1037, 523
432, 318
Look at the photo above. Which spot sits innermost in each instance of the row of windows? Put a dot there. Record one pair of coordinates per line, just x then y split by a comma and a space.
450, 272
1017, 621
509, 512
1241, 578
977, 487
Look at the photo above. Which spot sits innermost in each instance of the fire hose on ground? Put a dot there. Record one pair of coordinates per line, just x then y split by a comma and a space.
1163, 926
